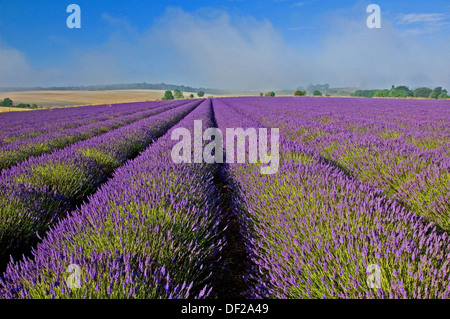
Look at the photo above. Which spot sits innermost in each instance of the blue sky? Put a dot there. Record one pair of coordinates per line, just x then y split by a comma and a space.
231, 44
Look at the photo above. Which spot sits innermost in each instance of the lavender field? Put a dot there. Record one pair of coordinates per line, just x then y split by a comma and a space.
362, 183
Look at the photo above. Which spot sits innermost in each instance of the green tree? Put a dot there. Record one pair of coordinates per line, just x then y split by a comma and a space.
364, 93
191, 96
178, 94
201, 94
270, 93
23, 106
6, 102
317, 93
400, 91
299, 93
422, 92
381, 93
443, 96
436, 92
168, 95
261, 94
397, 93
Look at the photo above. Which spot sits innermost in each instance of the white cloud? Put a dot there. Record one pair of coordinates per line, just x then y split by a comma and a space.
422, 23
421, 18
251, 54
14, 66
379, 58
224, 52
118, 23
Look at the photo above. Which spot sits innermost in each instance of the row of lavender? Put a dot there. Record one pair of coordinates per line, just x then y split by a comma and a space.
20, 150
150, 232
402, 147
316, 233
16, 126
39, 191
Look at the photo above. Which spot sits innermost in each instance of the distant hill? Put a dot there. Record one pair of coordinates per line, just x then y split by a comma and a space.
133, 86
163, 86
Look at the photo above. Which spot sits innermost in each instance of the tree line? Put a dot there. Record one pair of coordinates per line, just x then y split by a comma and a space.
271, 93
177, 94
107, 87
404, 92
9, 103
